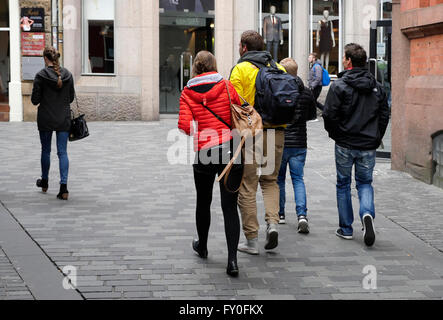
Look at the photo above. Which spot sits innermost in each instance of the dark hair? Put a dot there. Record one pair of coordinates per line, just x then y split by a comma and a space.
357, 54
53, 55
252, 40
204, 62
314, 54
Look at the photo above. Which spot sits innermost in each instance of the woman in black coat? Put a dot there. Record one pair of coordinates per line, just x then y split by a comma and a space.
53, 91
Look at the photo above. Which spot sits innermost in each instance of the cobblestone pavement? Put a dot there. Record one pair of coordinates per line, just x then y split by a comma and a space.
12, 286
129, 224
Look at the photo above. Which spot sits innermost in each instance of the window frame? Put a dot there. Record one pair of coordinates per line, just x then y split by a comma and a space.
85, 40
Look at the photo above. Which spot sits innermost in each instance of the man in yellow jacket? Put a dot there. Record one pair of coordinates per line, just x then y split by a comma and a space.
243, 77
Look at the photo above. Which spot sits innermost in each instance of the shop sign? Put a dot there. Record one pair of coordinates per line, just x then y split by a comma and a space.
32, 20
33, 43
31, 66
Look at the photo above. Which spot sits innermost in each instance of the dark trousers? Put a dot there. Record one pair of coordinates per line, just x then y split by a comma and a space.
316, 92
204, 176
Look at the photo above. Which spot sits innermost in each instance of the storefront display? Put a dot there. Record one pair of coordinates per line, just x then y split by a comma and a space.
276, 27
325, 33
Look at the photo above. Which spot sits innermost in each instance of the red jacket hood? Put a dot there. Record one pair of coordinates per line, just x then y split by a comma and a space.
205, 87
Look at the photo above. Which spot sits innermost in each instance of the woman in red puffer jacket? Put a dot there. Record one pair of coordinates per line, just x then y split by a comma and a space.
205, 101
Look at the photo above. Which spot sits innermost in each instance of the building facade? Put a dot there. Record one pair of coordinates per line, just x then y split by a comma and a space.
417, 114
131, 58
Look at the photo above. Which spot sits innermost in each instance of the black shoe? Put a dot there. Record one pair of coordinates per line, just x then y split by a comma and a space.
232, 268
303, 225
202, 253
42, 183
64, 193
369, 231
339, 233
282, 219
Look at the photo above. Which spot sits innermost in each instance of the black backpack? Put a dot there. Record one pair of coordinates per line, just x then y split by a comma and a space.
277, 94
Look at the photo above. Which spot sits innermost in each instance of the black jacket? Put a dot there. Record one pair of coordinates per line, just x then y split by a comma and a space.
54, 103
356, 111
296, 133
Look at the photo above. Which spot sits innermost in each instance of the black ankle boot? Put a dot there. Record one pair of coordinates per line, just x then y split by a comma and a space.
232, 268
196, 246
42, 183
64, 193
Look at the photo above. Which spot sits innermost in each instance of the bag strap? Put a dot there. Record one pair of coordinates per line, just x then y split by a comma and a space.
229, 166
229, 95
76, 102
216, 115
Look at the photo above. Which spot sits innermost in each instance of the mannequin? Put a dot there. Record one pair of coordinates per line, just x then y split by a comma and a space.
325, 38
273, 32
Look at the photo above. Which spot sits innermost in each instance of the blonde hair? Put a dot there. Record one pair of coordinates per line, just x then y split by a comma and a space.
53, 55
204, 62
290, 65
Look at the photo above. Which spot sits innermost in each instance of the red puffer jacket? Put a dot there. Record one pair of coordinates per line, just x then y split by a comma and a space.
210, 89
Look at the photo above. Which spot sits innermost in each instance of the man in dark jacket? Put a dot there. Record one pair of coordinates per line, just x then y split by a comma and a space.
295, 151
356, 115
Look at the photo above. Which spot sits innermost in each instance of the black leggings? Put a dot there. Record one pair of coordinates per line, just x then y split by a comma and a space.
204, 176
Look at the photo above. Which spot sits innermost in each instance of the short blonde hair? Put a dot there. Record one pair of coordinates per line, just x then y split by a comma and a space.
290, 65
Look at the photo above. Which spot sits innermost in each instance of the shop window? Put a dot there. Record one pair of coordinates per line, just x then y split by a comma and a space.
275, 21
98, 37
326, 33
4, 14
385, 9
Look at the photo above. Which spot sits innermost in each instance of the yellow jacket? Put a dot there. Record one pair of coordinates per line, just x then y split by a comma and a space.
243, 77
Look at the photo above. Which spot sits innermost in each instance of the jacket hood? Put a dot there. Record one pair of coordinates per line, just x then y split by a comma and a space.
51, 76
360, 79
318, 61
206, 78
205, 87
257, 57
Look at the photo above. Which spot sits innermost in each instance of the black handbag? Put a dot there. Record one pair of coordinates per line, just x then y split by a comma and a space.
79, 129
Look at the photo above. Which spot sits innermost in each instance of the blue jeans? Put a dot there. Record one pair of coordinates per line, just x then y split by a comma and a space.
62, 145
296, 159
364, 162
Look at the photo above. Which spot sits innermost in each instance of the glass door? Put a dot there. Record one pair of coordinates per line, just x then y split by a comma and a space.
186, 27
380, 66
5, 74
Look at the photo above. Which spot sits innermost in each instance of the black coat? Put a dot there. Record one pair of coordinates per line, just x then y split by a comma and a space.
54, 103
356, 111
296, 133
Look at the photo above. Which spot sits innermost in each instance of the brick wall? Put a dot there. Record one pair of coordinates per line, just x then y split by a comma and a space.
416, 4
427, 56
417, 85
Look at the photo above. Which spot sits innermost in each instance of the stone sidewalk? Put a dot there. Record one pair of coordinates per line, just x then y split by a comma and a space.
129, 223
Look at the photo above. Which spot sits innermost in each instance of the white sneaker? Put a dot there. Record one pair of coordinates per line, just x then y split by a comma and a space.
271, 237
249, 247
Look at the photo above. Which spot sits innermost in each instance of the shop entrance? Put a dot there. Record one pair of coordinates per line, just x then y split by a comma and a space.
380, 66
186, 27
5, 74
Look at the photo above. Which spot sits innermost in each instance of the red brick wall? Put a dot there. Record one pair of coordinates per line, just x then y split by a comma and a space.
415, 4
427, 56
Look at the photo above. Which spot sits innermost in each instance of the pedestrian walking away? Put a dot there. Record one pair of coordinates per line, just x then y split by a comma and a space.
205, 100
315, 78
356, 116
53, 92
243, 77
295, 151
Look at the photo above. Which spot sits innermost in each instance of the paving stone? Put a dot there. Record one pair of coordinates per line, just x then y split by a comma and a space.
130, 221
